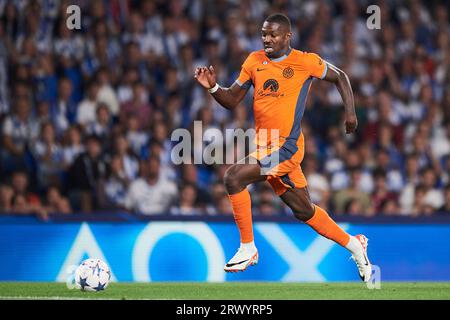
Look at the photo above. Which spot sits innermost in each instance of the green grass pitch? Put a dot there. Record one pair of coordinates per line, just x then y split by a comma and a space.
231, 291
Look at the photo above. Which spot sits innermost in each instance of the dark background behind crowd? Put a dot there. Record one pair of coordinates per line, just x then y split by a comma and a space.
86, 115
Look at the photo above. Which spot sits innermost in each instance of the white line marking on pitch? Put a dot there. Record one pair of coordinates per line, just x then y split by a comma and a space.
66, 298
48, 298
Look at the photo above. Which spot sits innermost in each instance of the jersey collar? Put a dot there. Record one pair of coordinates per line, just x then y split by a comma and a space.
284, 56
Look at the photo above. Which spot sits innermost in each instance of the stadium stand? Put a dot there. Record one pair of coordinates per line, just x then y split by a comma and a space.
86, 115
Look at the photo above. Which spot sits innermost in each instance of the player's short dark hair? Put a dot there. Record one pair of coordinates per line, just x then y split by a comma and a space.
281, 19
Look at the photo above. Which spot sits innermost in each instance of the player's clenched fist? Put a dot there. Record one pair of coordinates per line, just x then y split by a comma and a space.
205, 76
351, 123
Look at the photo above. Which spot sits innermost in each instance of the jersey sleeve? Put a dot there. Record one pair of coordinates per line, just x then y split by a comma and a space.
316, 65
245, 76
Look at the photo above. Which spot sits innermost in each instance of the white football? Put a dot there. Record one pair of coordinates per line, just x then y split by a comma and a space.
92, 275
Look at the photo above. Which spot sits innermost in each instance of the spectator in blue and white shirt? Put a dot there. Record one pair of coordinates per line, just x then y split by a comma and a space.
49, 156
17, 132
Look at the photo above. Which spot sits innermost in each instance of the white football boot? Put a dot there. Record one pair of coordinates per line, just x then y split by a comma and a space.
241, 260
361, 259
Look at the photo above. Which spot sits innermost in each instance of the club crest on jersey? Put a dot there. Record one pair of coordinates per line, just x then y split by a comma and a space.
288, 72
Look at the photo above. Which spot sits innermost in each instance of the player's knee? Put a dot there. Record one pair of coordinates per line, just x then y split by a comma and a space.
303, 212
232, 181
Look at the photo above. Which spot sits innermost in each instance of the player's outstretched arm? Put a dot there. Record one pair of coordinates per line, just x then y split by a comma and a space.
227, 97
342, 82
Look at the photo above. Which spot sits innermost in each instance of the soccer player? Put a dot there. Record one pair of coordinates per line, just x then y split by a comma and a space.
281, 77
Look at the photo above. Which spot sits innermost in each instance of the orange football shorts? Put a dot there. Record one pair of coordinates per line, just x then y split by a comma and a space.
281, 164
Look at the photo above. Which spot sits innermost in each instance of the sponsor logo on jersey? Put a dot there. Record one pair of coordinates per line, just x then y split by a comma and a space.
270, 88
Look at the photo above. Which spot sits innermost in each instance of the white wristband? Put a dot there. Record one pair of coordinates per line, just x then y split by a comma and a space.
214, 89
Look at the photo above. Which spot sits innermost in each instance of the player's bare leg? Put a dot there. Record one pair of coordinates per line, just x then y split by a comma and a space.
299, 201
236, 180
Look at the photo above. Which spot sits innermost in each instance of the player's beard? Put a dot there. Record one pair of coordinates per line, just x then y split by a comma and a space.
273, 53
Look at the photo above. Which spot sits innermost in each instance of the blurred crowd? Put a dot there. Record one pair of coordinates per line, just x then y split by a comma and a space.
86, 115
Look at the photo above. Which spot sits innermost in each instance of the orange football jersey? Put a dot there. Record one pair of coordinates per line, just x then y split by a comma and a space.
280, 89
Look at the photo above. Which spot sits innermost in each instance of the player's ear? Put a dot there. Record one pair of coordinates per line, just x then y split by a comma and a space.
288, 35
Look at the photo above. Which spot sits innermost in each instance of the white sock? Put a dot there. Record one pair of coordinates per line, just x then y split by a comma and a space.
249, 246
354, 246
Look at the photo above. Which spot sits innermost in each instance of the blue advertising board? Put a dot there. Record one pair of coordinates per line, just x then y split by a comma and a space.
197, 251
